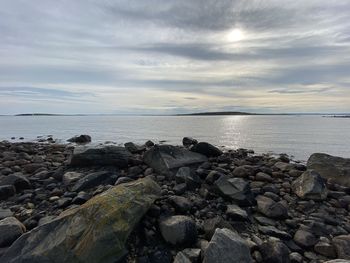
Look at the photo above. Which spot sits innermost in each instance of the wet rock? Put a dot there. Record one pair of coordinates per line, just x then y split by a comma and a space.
210, 225
274, 232
235, 189
7, 191
92, 180
178, 230
342, 246
331, 167
274, 251
310, 185
133, 148
189, 141
5, 213
185, 175
10, 230
166, 157
227, 246
18, 181
80, 139
101, 155
106, 219
206, 149
236, 213
270, 208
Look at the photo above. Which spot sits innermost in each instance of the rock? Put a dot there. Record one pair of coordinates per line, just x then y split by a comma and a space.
10, 230
236, 189
7, 191
342, 246
122, 180
206, 149
192, 253
263, 177
275, 232
331, 167
243, 171
227, 246
80, 139
106, 219
210, 225
18, 181
101, 155
81, 198
5, 213
337, 261
270, 208
166, 157
181, 258
92, 180
236, 213
274, 251
284, 166
305, 238
189, 141
71, 177
133, 148
295, 257
185, 175
181, 204
310, 185
178, 230
325, 249
149, 143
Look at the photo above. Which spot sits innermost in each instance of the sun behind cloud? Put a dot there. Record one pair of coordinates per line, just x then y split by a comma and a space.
235, 35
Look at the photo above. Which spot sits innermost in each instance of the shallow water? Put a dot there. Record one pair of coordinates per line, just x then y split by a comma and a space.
299, 136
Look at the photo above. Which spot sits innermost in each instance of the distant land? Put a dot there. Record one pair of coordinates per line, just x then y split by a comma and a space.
217, 113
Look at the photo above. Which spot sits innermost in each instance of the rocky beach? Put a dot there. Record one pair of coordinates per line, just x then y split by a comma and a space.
158, 203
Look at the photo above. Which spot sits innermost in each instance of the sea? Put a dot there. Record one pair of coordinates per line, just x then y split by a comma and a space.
296, 135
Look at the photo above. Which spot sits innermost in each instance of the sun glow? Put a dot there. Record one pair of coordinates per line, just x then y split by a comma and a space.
235, 35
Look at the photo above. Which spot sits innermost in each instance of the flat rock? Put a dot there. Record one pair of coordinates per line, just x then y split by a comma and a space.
10, 230
92, 180
275, 232
331, 167
167, 157
178, 230
227, 246
95, 232
206, 149
310, 185
100, 156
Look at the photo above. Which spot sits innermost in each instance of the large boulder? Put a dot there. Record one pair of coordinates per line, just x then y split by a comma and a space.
235, 189
100, 155
310, 185
167, 157
331, 167
227, 246
94, 232
10, 230
206, 149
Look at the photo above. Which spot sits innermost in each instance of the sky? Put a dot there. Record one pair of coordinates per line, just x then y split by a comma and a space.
166, 57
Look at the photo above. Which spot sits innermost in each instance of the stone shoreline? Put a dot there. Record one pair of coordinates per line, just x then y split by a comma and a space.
163, 203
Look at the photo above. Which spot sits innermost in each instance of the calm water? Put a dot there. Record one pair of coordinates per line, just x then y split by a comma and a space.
295, 135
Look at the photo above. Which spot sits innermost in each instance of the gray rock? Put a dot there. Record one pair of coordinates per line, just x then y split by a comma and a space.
71, 177
181, 204
20, 182
92, 180
270, 208
325, 249
80, 139
305, 238
5, 213
338, 261
7, 191
133, 148
185, 175
178, 230
227, 246
331, 167
10, 230
101, 155
236, 189
274, 251
274, 232
167, 157
206, 149
342, 246
310, 185
181, 258
236, 213
295, 257
210, 225
107, 220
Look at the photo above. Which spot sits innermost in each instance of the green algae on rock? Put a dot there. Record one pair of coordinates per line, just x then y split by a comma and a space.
95, 232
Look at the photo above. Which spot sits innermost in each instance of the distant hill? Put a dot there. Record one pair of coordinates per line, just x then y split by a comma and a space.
217, 113
37, 114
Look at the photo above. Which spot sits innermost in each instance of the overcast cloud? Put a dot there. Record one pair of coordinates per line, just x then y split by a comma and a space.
160, 57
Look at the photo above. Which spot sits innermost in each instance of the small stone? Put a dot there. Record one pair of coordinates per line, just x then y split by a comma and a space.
270, 208
274, 251
236, 213
305, 238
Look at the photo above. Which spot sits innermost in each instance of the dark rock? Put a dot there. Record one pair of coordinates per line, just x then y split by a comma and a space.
181, 204
81, 198
71, 177
325, 249
161, 256
106, 219
166, 157
133, 148
236, 213
178, 230
149, 143
92, 180
310, 185
305, 238
102, 155
273, 231
10, 229
331, 167
274, 251
185, 175
7, 191
179, 189
181, 258
80, 139
342, 246
210, 225
18, 181
5, 213
206, 149
227, 246
270, 208
236, 189
122, 180
189, 141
